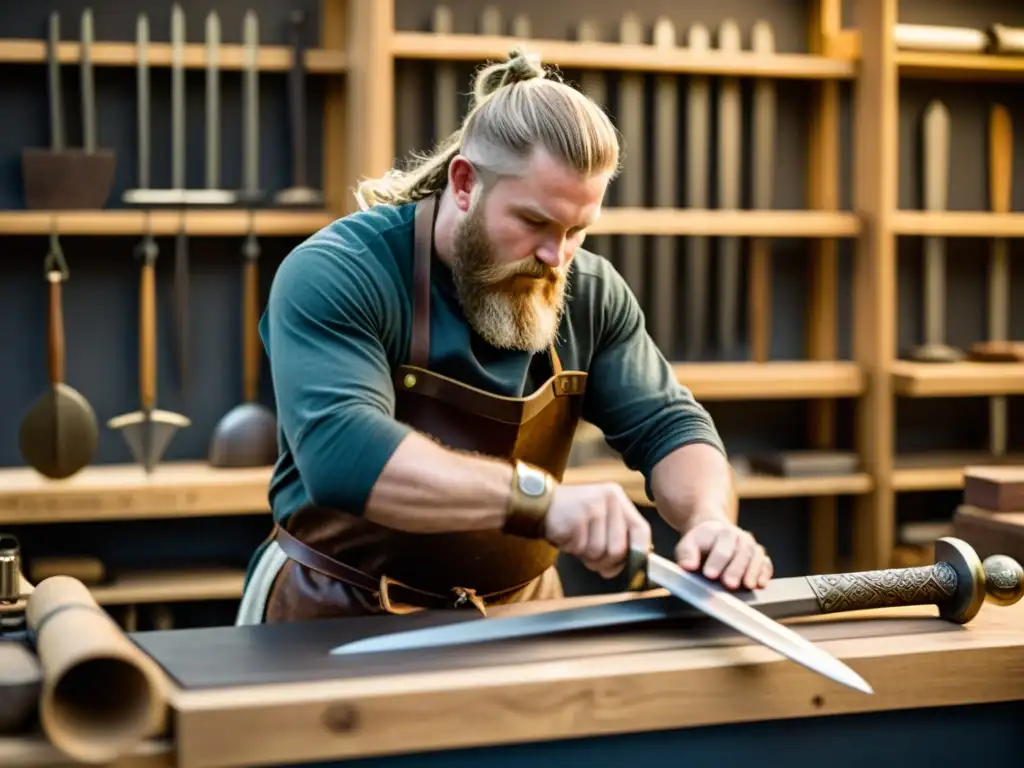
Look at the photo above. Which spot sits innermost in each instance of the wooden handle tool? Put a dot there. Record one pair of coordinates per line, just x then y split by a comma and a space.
759, 310
666, 132
148, 431
730, 164
936, 185
1000, 184
58, 436
698, 114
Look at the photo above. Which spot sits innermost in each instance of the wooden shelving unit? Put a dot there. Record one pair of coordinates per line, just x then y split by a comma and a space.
194, 489
270, 58
941, 471
971, 67
126, 492
958, 224
772, 381
170, 587
961, 379
163, 222
749, 223
621, 57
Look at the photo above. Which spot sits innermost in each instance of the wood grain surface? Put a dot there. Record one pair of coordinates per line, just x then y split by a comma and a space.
921, 662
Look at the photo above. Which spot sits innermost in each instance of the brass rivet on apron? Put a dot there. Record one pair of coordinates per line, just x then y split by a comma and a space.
410, 381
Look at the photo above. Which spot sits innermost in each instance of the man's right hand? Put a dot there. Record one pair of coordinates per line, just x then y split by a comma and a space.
596, 523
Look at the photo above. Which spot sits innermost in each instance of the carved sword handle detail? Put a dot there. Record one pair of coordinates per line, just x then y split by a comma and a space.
887, 588
958, 584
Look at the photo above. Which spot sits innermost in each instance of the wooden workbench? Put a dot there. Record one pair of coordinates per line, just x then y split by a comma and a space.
646, 695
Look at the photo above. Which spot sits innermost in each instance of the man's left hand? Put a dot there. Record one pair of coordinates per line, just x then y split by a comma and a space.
728, 553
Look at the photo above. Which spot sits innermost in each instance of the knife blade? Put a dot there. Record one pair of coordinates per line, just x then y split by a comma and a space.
718, 603
642, 570
958, 584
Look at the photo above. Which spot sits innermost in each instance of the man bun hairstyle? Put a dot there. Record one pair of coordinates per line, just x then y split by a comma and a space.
517, 106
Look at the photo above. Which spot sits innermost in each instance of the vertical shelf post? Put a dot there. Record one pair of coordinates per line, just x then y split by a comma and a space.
822, 318
875, 156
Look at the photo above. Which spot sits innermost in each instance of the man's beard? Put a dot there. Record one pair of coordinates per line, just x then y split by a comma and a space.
512, 306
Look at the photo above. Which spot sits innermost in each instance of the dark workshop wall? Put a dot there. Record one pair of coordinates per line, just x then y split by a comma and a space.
101, 297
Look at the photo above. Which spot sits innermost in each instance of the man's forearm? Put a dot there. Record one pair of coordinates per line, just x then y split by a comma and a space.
427, 488
694, 483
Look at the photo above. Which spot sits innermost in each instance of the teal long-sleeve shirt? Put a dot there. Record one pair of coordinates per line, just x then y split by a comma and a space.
339, 320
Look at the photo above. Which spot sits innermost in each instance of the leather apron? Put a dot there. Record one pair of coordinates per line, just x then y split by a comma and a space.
340, 564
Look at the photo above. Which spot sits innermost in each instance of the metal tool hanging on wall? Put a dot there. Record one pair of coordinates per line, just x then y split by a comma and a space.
149, 430
1000, 174
730, 169
59, 435
300, 193
179, 194
759, 290
246, 436
698, 116
936, 144
630, 256
58, 177
665, 270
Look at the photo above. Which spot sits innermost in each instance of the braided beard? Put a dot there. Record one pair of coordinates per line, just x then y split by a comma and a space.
512, 306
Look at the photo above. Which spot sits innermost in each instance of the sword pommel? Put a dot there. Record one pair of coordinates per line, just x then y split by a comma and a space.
1004, 580
959, 583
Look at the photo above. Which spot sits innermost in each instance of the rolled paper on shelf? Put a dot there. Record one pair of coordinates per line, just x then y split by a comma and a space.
101, 696
1006, 39
931, 37
20, 680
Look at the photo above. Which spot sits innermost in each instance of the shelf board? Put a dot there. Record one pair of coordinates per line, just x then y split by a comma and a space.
958, 224
171, 587
962, 379
570, 54
959, 66
782, 380
268, 223
744, 223
747, 486
270, 58
125, 492
942, 471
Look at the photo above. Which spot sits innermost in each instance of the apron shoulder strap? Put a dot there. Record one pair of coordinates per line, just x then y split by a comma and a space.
556, 363
423, 240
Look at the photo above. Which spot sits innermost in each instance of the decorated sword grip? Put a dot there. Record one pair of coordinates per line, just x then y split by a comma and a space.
958, 583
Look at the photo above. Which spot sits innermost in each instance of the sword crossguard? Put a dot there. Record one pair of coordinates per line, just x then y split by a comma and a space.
635, 570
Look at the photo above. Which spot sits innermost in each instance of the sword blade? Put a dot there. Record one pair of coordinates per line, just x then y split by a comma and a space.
715, 601
531, 625
781, 598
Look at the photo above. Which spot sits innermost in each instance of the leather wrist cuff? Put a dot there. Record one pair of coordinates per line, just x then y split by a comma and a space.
532, 491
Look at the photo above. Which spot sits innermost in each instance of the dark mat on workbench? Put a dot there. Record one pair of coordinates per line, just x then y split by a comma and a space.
299, 652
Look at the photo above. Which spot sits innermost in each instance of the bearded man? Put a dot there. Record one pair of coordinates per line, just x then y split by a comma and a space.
431, 356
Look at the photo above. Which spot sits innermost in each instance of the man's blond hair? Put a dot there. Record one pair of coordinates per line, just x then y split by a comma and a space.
518, 106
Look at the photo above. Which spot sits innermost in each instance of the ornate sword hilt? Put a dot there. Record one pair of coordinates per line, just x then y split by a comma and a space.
959, 583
